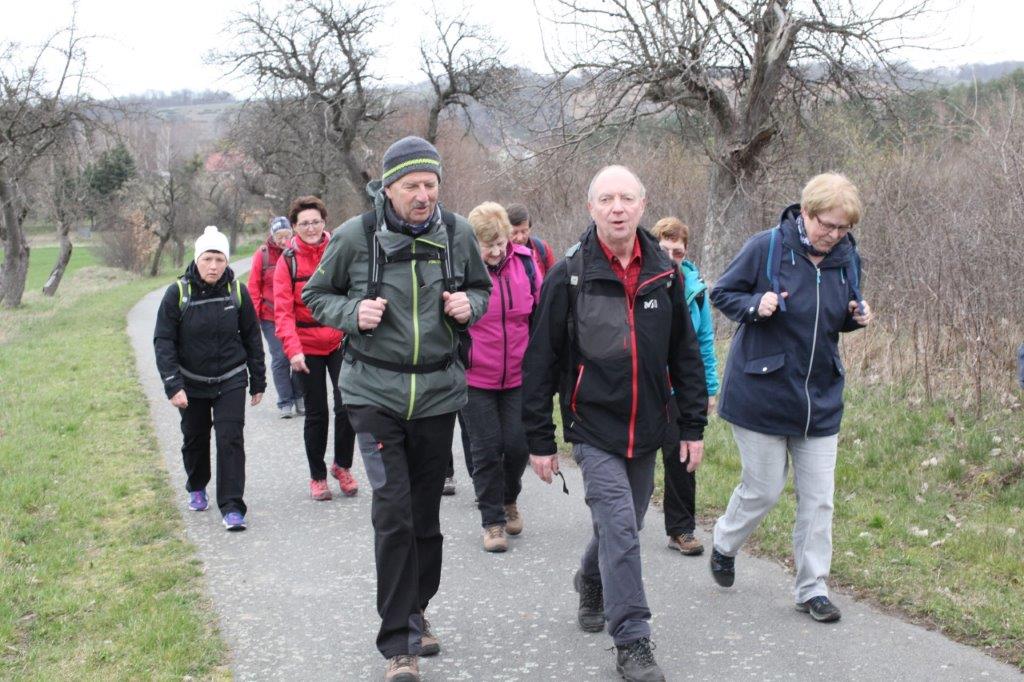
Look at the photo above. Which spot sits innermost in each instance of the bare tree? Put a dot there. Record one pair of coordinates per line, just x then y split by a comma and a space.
463, 63
732, 71
34, 113
316, 53
66, 192
170, 201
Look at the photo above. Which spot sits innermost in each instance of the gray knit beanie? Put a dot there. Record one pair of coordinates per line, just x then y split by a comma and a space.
410, 155
280, 223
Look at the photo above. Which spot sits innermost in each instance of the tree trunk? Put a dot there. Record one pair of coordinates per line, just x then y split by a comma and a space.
179, 253
154, 269
53, 281
358, 177
731, 218
15, 271
432, 119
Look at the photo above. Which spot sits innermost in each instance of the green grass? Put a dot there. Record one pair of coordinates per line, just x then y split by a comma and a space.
96, 578
966, 576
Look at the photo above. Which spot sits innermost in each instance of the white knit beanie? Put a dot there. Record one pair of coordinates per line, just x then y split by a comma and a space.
212, 240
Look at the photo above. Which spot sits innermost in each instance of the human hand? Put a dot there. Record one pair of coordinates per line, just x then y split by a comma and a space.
298, 363
256, 398
370, 313
862, 314
180, 400
545, 466
692, 451
456, 306
769, 303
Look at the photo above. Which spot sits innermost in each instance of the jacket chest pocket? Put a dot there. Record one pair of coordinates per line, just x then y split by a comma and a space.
602, 327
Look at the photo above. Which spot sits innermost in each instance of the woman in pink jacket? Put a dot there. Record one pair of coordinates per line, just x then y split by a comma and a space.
493, 413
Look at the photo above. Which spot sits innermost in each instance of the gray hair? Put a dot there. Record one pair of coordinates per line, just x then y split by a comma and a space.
590, 188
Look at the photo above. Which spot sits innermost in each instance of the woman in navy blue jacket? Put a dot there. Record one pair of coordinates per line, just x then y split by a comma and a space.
792, 289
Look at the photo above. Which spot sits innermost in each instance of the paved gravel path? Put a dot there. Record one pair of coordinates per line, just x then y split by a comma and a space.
295, 594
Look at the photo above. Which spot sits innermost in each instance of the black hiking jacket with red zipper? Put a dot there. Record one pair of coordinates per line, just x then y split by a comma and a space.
625, 361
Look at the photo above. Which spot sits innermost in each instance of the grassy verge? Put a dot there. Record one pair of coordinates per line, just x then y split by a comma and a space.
97, 581
928, 517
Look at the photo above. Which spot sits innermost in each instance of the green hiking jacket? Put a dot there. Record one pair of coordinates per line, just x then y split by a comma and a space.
414, 329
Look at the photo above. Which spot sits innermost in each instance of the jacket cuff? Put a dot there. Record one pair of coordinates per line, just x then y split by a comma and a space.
691, 434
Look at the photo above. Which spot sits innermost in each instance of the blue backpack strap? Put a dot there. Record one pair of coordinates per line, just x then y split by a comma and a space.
853, 277
538, 245
774, 264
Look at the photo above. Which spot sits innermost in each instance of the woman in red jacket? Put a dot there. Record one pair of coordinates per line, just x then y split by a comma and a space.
261, 290
313, 350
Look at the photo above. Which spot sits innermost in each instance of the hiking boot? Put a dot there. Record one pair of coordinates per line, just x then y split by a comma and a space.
723, 568
635, 662
821, 609
449, 486
430, 645
494, 538
590, 615
197, 500
402, 668
346, 481
686, 544
513, 521
300, 406
318, 490
285, 412
234, 521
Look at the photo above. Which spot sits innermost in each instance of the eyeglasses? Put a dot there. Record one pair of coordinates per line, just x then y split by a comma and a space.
306, 224
830, 227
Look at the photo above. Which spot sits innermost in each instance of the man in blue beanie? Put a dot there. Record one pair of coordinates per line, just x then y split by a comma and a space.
403, 281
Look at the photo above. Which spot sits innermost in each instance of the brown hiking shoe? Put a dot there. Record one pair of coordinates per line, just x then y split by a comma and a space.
494, 538
402, 668
686, 544
513, 521
430, 645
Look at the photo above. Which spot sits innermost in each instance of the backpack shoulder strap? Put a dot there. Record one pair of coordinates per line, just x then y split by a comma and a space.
774, 263
446, 270
538, 245
238, 293
574, 280
531, 273
265, 256
293, 264
373, 279
184, 293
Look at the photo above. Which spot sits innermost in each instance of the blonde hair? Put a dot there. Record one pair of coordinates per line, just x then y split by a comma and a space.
490, 222
829, 191
673, 229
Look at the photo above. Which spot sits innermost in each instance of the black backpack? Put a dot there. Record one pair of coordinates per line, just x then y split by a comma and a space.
377, 260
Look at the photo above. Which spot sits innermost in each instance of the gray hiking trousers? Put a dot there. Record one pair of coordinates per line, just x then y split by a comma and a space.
617, 491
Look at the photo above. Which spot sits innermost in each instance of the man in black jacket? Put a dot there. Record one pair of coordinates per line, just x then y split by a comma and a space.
612, 318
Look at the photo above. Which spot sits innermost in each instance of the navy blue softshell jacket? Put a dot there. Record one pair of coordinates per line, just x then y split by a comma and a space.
784, 376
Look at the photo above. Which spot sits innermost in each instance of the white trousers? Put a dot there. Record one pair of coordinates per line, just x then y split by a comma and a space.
765, 463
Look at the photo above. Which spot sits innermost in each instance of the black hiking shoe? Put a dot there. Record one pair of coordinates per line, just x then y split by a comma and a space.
591, 612
635, 662
821, 609
723, 568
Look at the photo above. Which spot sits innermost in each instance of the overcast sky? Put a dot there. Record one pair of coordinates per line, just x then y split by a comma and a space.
143, 45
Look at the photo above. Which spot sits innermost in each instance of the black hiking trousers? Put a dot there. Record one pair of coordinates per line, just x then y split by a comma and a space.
680, 500
405, 462
225, 414
323, 372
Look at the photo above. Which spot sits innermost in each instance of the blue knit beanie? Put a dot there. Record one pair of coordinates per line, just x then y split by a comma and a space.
410, 155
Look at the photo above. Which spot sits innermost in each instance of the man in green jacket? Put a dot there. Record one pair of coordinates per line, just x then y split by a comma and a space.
402, 282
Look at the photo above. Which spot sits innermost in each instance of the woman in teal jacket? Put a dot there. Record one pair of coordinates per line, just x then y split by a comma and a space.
680, 484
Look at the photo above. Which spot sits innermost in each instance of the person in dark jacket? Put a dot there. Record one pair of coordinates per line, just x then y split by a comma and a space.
792, 289
680, 498
613, 336
261, 288
314, 351
207, 342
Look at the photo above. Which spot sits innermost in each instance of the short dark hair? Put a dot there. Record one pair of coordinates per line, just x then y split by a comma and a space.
518, 214
305, 203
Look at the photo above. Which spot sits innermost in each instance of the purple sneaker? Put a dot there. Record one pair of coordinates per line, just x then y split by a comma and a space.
197, 500
234, 521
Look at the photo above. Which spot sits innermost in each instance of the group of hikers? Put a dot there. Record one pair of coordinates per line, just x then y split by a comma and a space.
417, 316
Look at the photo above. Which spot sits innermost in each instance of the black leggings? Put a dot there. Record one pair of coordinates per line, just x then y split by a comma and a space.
318, 419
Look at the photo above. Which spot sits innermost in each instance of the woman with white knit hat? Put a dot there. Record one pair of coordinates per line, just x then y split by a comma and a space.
207, 342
